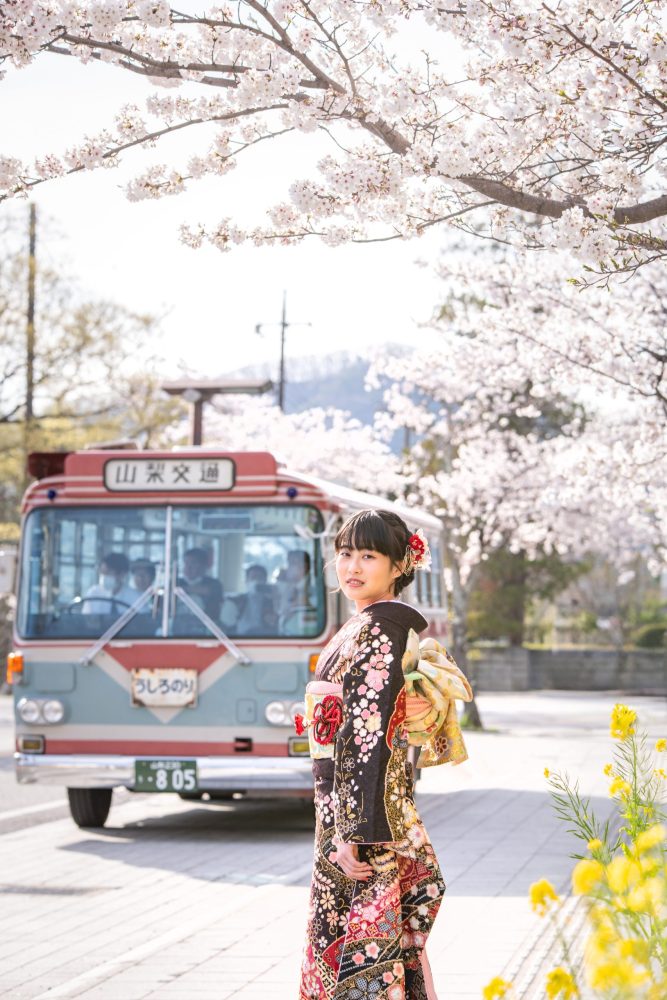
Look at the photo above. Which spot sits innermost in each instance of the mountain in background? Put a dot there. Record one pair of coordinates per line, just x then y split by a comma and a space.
333, 381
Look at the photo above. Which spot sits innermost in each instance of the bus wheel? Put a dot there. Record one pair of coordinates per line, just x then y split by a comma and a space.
89, 806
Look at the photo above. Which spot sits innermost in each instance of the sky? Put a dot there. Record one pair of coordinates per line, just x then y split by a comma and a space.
355, 298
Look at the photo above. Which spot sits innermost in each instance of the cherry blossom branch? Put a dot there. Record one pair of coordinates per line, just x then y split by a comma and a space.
110, 154
647, 95
547, 123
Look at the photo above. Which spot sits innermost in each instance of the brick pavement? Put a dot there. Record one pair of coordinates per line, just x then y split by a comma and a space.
184, 902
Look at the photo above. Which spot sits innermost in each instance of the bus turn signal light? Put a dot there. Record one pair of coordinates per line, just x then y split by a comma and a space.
312, 662
14, 666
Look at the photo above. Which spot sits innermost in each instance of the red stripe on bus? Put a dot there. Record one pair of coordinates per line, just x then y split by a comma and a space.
195, 657
162, 748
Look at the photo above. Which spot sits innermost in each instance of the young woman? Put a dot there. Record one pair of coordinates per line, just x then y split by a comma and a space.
376, 885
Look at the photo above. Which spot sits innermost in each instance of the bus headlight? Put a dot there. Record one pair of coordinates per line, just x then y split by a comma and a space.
275, 713
29, 710
281, 713
50, 711
53, 711
296, 708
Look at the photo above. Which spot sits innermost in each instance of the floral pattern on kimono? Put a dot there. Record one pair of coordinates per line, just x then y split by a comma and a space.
365, 939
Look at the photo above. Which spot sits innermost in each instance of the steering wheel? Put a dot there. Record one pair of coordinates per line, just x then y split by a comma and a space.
79, 601
299, 609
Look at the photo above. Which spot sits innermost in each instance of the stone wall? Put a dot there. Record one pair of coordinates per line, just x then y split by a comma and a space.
519, 669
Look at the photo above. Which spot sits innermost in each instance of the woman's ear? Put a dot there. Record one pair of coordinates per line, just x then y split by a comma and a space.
402, 567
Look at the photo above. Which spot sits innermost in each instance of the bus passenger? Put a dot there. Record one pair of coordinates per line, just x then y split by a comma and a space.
257, 614
295, 584
143, 574
112, 589
206, 590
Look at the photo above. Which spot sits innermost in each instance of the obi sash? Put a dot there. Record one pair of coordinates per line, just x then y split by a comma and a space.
324, 714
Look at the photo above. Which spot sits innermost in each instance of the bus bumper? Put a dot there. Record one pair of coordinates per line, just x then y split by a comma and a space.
270, 776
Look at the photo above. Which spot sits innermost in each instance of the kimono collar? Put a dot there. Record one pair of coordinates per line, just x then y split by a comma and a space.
397, 611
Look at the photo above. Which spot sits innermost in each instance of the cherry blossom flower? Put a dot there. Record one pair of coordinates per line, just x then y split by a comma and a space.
541, 125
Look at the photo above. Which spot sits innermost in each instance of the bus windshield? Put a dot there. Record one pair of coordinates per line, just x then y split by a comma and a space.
254, 571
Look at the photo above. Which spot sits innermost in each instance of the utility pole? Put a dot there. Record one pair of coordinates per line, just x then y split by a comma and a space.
281, 380
30, 335
283, 331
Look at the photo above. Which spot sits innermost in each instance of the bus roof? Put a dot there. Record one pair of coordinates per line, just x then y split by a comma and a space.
358, 500
100, 475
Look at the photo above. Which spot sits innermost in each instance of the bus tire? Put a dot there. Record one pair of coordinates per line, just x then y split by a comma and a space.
89, 806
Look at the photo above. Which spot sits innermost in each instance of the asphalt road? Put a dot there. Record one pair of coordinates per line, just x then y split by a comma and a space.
175, 900
530, 712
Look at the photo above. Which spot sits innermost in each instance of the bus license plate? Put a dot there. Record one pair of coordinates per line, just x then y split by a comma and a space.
165, 776
165, 687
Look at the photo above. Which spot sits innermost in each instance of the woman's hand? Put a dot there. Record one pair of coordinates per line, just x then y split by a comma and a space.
347, 858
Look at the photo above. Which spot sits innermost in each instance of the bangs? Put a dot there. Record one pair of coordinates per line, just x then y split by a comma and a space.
366, 530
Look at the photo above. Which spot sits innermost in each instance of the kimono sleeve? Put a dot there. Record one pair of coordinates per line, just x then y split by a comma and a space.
371, 750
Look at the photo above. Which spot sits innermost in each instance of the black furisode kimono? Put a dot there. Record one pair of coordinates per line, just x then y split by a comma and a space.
365, 939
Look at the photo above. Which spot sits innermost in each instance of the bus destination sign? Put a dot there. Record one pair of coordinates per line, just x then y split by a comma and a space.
168, 475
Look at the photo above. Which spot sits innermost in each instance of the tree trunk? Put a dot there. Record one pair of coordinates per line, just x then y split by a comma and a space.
471, 717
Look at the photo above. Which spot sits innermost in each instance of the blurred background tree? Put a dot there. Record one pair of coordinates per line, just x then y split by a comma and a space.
95, 372
509, 585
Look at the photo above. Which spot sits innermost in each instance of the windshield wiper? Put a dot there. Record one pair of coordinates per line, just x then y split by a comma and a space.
211, 626
192, 606
117, 625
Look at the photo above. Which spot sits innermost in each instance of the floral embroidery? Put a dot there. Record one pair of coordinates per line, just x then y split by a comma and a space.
364, 940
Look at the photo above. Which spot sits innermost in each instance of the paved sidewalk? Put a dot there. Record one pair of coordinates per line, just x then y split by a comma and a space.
179, 902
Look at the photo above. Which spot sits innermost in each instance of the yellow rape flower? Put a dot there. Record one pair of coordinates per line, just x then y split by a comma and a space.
547, 772
616, 974
646, 897
660, 773
650, 838
586, 875
622, 719
542, 894
633, 948
602, 938
657, 991
622, 873
619, 787
497, 987
608, 768
661, 745
595, 844
649, 864
598, 915
560, 984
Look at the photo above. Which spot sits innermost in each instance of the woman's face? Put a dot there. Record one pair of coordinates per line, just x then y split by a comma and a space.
365, 576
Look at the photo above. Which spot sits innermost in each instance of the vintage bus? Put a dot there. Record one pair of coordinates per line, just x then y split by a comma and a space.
170, 609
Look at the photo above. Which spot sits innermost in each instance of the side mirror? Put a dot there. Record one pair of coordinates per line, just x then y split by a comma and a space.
8, 558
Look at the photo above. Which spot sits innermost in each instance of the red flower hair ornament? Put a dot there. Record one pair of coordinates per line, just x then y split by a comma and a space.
417, 553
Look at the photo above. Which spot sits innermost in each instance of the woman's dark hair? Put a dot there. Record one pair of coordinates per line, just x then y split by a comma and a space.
380, 531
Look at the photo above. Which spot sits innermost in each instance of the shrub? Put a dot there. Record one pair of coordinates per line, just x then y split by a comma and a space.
650, 636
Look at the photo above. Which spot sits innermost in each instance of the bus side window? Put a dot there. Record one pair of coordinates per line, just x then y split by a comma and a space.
421, 587
436, 575
428, 584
